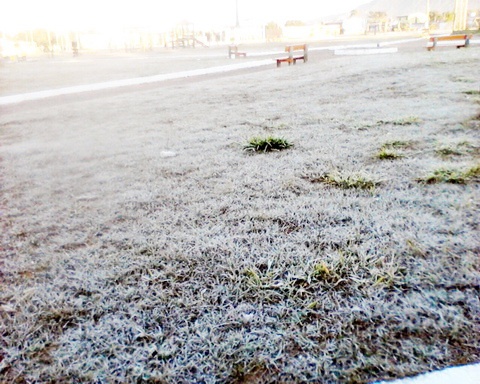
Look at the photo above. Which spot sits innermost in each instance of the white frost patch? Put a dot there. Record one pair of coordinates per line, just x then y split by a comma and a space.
370, 51
467, 374
129, 82
168, 154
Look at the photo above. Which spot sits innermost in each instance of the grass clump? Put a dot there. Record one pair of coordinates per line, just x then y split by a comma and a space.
448, 151
443, 175
397, 144
388, 149
459, 149
349, 267
473, 122
462, 79
410, 120
388, 154
475, 92
267, 144
407, 121
452, 176
357, 180
474, 172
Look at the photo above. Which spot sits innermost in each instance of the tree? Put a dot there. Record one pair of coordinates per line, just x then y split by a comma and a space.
294, 23
378, 16
355, 13
449, 16
435, 17
42, 38
273, 31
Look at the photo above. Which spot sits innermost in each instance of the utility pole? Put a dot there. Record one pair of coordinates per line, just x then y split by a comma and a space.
461, 10
237, 24
236, 30
427, 25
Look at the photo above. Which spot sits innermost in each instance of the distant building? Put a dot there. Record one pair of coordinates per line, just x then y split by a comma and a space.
354, 25
333, 28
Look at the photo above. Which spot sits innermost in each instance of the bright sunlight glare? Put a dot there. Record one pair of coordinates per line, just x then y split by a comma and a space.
108, 14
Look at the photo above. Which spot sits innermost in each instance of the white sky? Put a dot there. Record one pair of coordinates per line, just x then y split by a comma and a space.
68, 14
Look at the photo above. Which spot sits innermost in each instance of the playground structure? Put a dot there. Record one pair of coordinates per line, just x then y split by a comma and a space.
183, 36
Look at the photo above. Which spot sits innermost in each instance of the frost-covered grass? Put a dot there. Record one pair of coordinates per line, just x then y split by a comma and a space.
120, 264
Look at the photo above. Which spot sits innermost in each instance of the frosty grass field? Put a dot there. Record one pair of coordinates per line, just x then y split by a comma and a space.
141, 242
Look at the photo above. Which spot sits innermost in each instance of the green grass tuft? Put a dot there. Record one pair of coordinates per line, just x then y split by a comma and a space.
348, 181
267, 144
452, 176
443, 175
458, 149
473, 122
397, 144
473, 92
410, 120
388, 154
474, 172
462, 79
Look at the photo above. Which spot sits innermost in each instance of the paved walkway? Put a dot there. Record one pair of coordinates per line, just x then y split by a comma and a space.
14, 99
31, 96
467, 374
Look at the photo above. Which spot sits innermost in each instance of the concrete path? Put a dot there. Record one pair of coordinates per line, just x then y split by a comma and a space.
14, 99
38, 95
466, 374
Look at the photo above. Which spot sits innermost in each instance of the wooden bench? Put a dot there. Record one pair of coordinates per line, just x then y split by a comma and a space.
233, 51
458, 40
295, 52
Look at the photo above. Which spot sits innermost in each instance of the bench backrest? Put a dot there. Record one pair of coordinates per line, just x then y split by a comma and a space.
450, 38
292, 48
